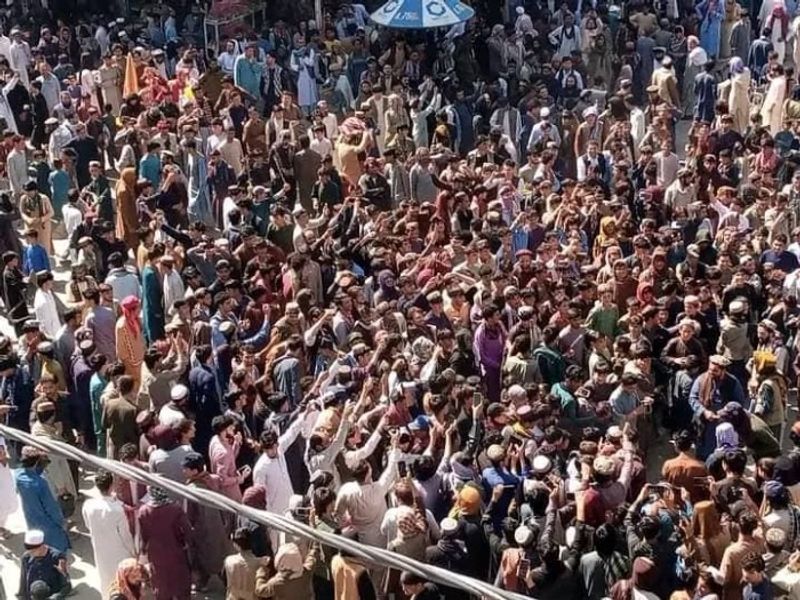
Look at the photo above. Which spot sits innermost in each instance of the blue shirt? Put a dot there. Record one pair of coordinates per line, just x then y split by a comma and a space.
150, 169
759, 591
785, 261
59, 184
493, 476
35, 259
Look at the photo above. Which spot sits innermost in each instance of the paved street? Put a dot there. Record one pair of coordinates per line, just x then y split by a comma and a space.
82, 571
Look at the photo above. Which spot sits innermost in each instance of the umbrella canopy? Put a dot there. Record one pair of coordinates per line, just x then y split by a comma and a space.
422, 14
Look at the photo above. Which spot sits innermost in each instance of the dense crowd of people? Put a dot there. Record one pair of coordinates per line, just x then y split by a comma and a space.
454, 293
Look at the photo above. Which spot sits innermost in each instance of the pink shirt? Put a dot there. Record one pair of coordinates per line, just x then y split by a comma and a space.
223, 464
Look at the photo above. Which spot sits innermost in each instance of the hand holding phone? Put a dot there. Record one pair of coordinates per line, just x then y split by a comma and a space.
244, 472
523, 568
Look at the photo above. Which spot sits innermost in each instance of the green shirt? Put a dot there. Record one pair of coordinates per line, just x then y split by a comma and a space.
604, 320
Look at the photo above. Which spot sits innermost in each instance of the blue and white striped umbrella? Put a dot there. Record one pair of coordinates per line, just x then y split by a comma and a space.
422, 14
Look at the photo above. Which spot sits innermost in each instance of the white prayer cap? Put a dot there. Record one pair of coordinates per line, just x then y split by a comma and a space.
179, 392
591, 110
517, 391
520, 10
523, 535
34, 537
544, 112
542, 464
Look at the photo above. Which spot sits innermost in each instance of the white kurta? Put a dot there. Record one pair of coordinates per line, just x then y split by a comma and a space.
365, 505
89, 84
273, 473
779, 39
173, 290
46, 311
772, 109
794, 33
111, 538
8, 493
17, 167
20, 59
304, 66
5, 108
5, 47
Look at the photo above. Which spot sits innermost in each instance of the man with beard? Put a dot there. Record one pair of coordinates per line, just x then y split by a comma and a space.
734, 341
65, 109
100, 189
709, 394
59, 135
281, 160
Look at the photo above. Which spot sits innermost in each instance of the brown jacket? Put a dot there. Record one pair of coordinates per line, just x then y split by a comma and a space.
119, 423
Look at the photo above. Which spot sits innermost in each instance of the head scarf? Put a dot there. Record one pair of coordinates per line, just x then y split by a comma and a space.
289, 561
255, 497
640, 290
121, 584
130, 310
469, 500
158, 496
726, 436
736, 65
389, 292
608, 229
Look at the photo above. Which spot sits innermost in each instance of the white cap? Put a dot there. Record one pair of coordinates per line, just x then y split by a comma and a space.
541, 464
517, 391
179, 392
520, 10
34, 537
737, 306
523, 535
544, 112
